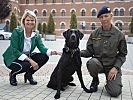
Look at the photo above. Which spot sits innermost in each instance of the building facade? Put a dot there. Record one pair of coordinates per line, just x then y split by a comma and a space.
86, 11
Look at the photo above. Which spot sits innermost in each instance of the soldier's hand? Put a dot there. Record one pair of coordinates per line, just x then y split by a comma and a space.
112, 74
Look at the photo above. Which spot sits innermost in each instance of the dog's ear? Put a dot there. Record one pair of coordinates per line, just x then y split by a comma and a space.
81, 35
65, 33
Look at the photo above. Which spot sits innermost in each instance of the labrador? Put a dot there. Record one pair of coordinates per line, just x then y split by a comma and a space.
69, 63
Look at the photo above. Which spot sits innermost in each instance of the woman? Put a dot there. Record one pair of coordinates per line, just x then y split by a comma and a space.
108, 49
19, 56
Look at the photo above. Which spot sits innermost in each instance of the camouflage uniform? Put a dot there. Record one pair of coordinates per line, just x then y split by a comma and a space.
108, 49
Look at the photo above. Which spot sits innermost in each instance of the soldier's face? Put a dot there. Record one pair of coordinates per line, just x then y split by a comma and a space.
105, 19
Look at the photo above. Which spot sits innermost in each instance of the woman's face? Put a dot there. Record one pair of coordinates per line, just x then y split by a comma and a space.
29, 23
105, 19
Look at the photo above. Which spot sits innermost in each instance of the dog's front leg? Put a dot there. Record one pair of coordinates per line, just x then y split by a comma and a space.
59, 76
79, 73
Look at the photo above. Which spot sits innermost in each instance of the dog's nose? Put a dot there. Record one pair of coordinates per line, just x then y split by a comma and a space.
73, 37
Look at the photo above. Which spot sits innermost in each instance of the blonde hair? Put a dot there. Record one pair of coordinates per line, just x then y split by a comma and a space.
30, 14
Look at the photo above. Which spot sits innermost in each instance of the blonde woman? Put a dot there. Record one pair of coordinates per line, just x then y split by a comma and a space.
19, 56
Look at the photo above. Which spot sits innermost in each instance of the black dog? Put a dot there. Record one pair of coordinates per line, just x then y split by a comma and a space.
69, 62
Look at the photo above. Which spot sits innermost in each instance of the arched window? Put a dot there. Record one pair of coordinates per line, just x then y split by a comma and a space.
63, 13
83, 13
53, 1
116, 12
93, 12
36, 1
73, 11
119, 25
53, 12
63, 1
93, 26
62, 25
82, 1
36, 12
44, 13
121, 12
131, 12
15, 10
83, 25
27, 1
44, 1
73, 1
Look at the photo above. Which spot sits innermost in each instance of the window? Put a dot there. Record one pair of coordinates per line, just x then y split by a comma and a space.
53, 12
63, 13
121, 12
53, 1
93, 12
93, 0
73, 11
116, 12
62, 25
83, 1
44, 13
83, 24
131, 12
36, 1
73, 1
83, 13
119, 25
44, 1
63, 1
27, 1
93, 26
106, 0
35, 12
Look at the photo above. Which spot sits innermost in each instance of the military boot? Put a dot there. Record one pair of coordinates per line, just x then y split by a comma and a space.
94, 84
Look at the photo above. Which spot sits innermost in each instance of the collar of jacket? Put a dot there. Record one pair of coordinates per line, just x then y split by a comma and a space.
107, 33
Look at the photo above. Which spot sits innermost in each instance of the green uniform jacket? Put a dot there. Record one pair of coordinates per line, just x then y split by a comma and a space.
109, 47
15, 50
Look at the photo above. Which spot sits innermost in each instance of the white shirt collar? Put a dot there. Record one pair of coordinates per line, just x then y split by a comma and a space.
32, 34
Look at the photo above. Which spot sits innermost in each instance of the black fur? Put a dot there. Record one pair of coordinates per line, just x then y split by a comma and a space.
69, 63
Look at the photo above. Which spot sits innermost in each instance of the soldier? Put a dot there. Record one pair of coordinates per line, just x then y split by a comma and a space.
108, 49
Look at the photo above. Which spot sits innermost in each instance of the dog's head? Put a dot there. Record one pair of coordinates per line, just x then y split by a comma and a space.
72, 37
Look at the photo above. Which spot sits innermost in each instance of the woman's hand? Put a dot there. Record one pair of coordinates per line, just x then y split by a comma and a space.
56, 53
33, 63
112, 74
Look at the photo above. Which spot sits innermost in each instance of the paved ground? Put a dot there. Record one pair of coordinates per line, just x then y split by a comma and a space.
25, 91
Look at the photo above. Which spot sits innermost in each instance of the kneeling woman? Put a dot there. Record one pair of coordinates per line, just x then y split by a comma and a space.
19, 56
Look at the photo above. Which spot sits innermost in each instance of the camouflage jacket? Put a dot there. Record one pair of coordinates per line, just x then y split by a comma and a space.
109, 47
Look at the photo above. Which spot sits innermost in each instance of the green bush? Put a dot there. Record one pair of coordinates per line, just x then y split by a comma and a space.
51, 25
13, 23
73, 21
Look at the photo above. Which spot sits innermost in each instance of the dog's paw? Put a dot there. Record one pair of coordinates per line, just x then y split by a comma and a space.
62, 89
71, 84
57, 96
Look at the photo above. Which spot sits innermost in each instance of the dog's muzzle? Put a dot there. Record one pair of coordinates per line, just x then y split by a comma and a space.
73, 37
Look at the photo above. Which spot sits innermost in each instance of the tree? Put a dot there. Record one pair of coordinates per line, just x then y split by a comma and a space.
44, 28
13, 23
39, 28
131, 26
51, 25
5, 9
73, 21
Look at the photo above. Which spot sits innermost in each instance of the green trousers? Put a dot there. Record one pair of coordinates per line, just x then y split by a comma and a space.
113, 87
